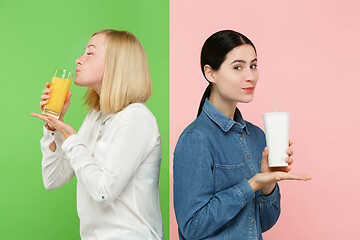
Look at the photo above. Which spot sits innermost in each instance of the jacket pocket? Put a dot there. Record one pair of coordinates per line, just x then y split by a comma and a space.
227, 176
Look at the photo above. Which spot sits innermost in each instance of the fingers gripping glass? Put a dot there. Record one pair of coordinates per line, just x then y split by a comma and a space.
59, 86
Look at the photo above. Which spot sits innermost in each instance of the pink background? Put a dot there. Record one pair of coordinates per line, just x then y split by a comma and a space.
308, 52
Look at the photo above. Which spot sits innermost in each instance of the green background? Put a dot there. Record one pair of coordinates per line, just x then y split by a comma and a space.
35, 38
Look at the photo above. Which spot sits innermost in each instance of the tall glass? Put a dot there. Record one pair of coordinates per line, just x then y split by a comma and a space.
277, 137
60, 85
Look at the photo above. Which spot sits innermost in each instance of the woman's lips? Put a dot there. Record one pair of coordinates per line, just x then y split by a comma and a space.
249, 90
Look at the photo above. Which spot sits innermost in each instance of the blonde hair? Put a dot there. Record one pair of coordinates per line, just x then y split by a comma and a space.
126, 77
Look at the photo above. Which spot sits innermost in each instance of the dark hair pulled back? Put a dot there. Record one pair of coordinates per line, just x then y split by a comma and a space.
214, 52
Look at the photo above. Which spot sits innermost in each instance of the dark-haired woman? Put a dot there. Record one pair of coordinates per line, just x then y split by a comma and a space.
223, 186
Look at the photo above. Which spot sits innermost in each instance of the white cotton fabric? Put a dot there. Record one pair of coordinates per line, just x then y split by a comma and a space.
116, 160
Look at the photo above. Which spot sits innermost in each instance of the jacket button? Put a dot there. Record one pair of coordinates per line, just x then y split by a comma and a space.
241, 138
252, 221
248, 156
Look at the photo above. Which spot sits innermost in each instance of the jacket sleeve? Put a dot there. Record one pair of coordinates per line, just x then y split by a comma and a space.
199, 210
269, 208
56, 169
104, 178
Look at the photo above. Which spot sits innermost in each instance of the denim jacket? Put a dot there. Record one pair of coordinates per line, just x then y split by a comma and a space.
214, 158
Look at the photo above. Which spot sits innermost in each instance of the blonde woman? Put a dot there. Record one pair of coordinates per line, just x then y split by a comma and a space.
116, 153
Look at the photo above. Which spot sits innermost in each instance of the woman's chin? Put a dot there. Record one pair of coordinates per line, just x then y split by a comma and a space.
77, 82
246, 99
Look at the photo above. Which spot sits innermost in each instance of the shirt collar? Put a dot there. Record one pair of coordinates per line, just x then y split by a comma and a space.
103, 117
224, 122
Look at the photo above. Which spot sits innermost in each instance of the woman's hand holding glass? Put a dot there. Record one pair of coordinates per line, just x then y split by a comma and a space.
266, 179
52, 123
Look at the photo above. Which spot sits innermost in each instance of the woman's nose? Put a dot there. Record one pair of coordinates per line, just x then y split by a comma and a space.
78, 61
250, 75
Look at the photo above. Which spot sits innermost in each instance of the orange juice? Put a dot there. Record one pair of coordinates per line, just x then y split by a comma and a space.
59, 89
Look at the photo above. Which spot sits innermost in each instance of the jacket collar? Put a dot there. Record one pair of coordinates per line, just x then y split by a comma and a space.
224, 122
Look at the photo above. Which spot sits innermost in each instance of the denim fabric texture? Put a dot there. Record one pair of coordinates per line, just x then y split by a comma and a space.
214, 158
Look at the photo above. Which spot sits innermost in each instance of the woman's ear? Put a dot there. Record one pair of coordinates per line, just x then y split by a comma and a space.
209, 73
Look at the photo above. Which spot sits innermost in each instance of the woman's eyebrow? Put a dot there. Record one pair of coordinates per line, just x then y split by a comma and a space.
243, 61
90, 45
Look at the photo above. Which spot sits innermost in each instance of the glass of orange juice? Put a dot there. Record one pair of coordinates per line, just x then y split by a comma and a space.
59, 86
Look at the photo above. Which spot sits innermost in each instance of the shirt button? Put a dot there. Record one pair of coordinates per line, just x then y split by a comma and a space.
261, 200
241, 138
248, 156
102, 197
252, 221
52, 134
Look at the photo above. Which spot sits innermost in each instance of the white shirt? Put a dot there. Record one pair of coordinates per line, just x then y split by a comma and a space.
116, 159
